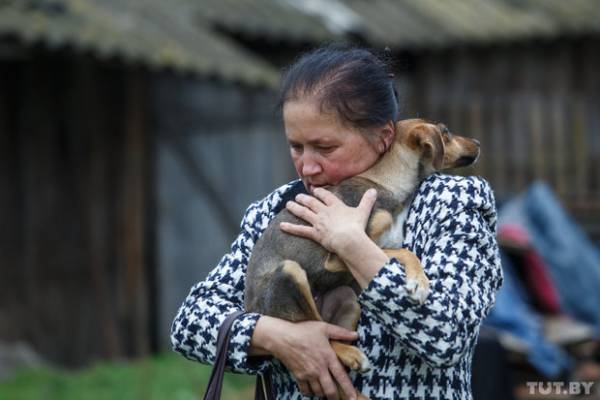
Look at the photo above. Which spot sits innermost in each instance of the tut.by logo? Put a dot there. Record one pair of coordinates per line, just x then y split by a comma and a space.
566, 388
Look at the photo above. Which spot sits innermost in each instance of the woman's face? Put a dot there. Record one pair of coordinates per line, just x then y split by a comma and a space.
324, 150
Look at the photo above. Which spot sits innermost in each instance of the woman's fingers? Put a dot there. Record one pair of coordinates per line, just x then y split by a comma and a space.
304, 388
301, 212
330, 390
305, 349
338, 333
367, 201
316, 388
325, 196
314, 204
298, 230
341, 377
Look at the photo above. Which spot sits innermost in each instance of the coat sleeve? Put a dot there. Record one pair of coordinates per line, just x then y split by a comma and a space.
196, 326
458, 250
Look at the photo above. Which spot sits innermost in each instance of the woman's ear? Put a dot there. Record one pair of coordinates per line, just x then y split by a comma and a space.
387, 135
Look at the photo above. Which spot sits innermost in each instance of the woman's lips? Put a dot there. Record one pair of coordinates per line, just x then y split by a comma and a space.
312, 187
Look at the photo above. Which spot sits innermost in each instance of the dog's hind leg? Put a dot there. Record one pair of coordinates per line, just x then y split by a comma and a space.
340, 307
298, 275
349, 355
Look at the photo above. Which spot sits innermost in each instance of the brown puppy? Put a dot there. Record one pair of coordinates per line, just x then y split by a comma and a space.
286, 273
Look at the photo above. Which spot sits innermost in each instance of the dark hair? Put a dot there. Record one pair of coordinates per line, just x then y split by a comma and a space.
352, 82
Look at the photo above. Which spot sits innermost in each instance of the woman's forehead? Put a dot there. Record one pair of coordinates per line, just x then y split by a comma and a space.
307, 119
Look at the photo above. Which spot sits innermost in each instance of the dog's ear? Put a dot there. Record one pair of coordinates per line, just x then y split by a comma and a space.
406, 125
429, 142
433, 149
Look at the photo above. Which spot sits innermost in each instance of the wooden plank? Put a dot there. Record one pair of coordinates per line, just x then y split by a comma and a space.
28, 121
458, 85
517, 159
536, 117
435, 88
500, 145
89, 134
579, 132
590, 63
558, 82
10, 209
476, 130
470, 112
132, 213
538, 148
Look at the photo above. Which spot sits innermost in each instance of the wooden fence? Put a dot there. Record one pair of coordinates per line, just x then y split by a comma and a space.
73, 167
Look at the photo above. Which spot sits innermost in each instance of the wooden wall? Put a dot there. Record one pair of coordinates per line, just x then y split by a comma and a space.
535, 108
220, 147
74, 172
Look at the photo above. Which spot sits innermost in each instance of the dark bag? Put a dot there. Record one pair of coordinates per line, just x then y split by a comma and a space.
215, 382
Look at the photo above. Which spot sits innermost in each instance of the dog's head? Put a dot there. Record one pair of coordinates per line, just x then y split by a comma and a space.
436, 147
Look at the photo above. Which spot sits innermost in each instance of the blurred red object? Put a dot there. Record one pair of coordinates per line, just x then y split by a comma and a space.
538, 281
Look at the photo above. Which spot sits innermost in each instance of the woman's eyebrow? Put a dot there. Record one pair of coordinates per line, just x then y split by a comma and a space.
322, 141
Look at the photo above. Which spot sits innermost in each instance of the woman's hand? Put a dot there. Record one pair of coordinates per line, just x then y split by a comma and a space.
304, 348
333, 224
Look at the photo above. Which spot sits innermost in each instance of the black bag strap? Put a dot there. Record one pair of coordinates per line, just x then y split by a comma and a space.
215, 382
264, 390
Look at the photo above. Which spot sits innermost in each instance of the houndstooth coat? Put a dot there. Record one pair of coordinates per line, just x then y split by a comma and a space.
416, 351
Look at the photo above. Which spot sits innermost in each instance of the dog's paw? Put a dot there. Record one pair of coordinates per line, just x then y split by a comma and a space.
352, 357
418, 289
362, 363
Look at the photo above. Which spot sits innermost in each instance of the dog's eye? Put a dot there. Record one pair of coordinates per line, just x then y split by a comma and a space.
446, 133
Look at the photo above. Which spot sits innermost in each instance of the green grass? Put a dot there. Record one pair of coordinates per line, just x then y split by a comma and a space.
167, 376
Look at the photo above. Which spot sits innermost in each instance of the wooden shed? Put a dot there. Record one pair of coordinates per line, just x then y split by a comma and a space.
134, 134
78, 160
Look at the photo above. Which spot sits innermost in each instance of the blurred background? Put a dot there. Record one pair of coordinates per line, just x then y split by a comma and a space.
134, 133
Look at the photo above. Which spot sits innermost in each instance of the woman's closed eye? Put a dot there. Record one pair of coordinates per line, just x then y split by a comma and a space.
296, 148
325, 149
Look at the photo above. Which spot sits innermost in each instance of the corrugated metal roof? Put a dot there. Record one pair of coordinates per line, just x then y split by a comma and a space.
190, 35
419, 23
404, 23
157, 33
279, 20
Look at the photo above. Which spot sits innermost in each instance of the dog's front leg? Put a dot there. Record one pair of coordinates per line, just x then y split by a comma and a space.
417, 283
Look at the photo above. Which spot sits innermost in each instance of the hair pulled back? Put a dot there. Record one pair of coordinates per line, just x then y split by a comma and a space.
350, 81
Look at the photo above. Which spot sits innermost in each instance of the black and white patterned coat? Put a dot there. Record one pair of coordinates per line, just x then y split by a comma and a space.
416, 351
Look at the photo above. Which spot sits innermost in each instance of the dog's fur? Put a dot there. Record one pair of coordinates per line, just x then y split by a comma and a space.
286, 273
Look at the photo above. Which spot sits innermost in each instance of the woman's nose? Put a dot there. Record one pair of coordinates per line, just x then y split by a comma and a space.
310, 166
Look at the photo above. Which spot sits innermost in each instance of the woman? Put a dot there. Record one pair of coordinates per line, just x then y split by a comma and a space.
339, 112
